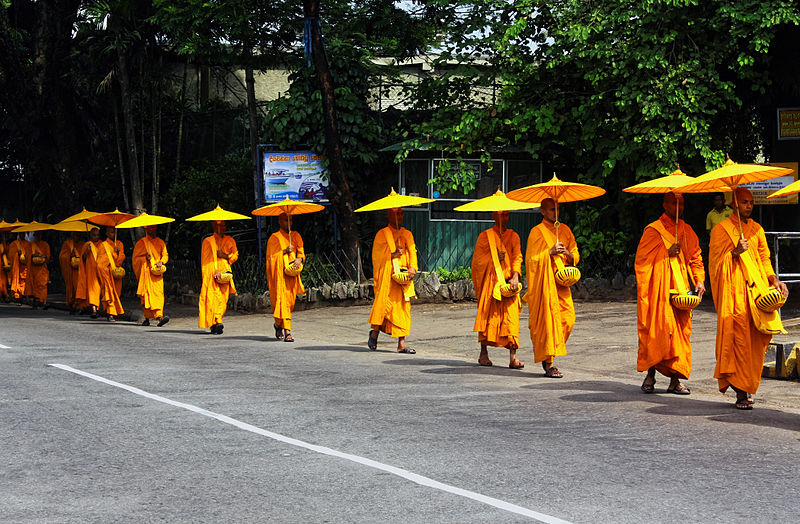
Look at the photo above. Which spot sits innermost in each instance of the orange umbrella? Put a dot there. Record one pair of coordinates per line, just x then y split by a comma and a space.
290, 207
114, 218
671, 183
558, 190
732, 175
791, 189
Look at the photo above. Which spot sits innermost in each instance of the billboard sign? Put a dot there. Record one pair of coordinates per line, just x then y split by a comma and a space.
789, 123
298, 175
766, 187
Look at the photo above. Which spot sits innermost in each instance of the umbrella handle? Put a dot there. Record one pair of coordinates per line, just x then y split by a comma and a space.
738, 216
556, 222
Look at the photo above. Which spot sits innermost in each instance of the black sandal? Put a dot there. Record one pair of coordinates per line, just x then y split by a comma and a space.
278, 332
372, 342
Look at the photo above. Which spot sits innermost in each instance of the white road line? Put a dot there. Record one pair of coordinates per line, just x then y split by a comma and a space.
4, 347
413, 477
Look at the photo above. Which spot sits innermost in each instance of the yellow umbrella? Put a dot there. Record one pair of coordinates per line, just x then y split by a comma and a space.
9, 226
217, 214
558, 190
392, 201
290, 207
791, 189
83, 215
33, 226
73, 225
732, 175
497, 202
145, 220
5, 225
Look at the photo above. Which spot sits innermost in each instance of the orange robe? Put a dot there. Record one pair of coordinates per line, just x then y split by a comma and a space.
4, 276
283, 289
107, 260
39, 276
70, 249
151, 287
19, 271
551, 313
391, 309
89, 290
497, 321
740, 346
214, 296
664, 331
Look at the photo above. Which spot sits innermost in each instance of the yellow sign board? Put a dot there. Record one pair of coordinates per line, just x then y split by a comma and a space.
789, 123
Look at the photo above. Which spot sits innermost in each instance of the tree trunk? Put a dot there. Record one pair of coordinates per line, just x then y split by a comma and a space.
130, 133
179, 144
120, 156
341, 196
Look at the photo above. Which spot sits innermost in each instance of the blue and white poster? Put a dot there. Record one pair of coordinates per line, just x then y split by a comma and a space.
298, 175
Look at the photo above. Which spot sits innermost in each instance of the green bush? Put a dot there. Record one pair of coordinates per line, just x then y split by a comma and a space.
451, 275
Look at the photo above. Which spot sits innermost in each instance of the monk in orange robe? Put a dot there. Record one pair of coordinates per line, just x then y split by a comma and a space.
283, 249
5, 266
550, 308
89, 289
71, 250
217, 254
497, 252
19, 254
393, 250
741, 343
110, 256
149, 258
39, 275
661, 268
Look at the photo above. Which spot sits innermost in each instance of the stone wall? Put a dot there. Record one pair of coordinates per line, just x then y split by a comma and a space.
429, 289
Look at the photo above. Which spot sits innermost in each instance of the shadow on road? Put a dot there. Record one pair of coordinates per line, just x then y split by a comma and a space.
667, 404
354, 348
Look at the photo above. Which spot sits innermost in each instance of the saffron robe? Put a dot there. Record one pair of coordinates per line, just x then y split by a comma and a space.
214, 296
39, 276
70, 249
497, 321
391, 309
664, 330
19, 270
283, 289
107, 260
89, 290
740, 346
551, 313
151, 287
4, 276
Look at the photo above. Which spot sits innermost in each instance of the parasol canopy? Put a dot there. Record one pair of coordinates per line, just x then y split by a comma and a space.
392, 201
731, 175
145, 220
8, 226
114, 218
290, 207
791, 189
33, 226
496, 202
217, 214
556, 189
672, 183
83, 215
73, 225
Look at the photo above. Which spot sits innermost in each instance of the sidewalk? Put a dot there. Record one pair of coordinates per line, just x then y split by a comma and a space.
603, 343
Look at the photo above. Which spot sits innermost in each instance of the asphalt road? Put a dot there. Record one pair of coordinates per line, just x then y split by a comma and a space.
204, 430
